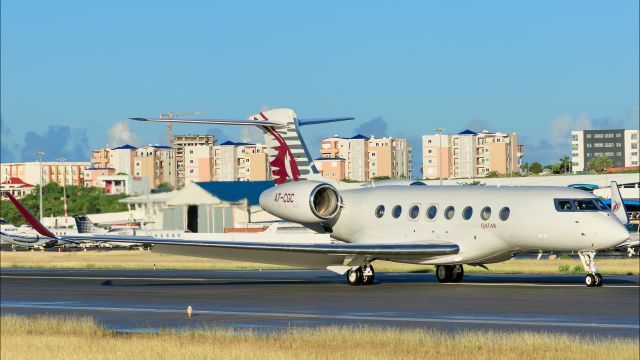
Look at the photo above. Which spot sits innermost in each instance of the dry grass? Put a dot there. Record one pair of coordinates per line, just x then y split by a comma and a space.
81, 338
135, 259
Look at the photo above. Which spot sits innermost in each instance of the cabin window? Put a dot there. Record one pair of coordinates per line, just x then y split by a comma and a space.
467, 212
504, 213
380, 211
432, 211
414, 211
449, 212
397, 211
485, 214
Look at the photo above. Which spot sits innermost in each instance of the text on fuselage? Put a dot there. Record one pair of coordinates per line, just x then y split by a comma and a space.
284, 197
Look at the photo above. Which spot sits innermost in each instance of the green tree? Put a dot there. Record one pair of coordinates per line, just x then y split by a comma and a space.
535, 168
554, 168
80, 200
492, 174
524, 168
600, 164
165, 186
565, 164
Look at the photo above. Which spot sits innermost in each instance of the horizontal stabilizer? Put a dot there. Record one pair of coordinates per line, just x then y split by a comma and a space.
303, 122
213, 121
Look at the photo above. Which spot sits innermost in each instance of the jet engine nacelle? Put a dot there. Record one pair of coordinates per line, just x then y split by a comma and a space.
303, 202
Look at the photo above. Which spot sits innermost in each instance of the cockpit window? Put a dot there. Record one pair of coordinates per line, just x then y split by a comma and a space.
3, 221
580, 205
585, 205
564, 205
601, 205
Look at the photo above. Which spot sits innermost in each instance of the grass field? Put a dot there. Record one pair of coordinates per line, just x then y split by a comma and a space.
47, 337
134, 259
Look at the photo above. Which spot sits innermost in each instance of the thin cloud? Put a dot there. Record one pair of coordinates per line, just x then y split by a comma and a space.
120, 134
57, 142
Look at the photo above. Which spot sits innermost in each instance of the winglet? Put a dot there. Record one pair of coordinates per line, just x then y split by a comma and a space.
30, 218
617, 204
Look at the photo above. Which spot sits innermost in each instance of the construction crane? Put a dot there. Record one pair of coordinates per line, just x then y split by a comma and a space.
171, 115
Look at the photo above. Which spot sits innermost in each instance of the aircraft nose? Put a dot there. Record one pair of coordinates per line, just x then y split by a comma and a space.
617, 235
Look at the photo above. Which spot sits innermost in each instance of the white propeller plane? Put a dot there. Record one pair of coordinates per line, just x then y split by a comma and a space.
407, 222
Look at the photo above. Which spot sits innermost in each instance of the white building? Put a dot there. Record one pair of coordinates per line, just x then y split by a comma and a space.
68, 173
122, 158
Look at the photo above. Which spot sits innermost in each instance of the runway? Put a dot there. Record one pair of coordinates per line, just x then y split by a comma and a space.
139, 300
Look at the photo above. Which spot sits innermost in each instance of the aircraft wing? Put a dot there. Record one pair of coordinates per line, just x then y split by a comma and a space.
341, 248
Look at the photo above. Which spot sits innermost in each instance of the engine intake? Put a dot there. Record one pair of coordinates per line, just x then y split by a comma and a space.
325, 201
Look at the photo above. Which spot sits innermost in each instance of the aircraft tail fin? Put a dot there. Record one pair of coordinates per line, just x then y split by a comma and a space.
617, 205
84, 224
289, 157
35, 224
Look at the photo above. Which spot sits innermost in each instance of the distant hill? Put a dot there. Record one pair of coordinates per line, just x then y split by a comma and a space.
80, 200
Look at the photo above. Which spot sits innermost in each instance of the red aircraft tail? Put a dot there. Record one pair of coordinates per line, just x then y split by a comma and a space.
35, 224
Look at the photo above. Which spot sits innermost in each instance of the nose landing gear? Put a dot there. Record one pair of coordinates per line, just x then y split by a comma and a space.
449, 273
593, 278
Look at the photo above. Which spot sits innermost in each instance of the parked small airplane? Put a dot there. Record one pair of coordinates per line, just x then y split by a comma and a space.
26, 237
446, 226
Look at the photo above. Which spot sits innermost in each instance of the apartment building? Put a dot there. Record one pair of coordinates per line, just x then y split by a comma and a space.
331, 168
157, 164
469, 154
119, 158
100, 158
68, 173
233, 161
436, 157
92, 175
364, 158
197, 163
620, 145
200, 144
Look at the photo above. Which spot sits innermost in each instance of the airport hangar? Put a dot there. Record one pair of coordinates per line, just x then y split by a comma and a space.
205, 207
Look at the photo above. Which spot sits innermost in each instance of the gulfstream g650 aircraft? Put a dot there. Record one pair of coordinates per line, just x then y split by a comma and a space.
446, 226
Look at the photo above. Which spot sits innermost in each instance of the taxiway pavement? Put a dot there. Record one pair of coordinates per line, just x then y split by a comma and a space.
132, 300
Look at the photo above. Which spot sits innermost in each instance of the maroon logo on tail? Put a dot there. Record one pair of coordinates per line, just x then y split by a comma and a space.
283, 165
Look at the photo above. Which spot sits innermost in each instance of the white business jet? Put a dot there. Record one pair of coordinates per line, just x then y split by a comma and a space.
446, 226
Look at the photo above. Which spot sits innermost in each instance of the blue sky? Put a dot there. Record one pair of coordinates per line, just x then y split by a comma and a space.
72, 70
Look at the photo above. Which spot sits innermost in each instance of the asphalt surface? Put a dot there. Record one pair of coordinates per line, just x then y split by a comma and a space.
147, 300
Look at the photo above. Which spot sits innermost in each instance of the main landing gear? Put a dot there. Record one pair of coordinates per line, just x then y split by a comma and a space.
362, 275
449, 273
593, 278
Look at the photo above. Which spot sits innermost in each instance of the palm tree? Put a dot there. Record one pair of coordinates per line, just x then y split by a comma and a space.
600, 164
565, 164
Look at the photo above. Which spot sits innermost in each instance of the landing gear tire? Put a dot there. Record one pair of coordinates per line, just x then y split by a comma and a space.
457, 273
599, 279
368, 275
354, 277
593, 278
444, 273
